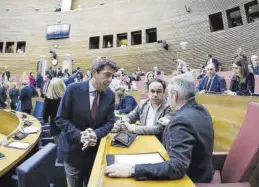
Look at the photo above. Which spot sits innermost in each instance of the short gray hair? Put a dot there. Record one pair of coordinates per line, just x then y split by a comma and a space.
99, 64
183, 84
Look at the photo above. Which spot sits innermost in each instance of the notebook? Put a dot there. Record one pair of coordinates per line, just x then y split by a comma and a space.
133, 159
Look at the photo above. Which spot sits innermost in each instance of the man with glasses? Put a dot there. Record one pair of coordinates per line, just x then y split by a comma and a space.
212, 82
85, 115
150, 112
188, 139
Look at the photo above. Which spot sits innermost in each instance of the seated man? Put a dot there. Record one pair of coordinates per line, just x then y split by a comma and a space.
126, 104
212, 82
148, 111
188, 139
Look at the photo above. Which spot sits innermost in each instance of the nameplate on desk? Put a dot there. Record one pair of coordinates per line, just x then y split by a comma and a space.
142, 158
18, 145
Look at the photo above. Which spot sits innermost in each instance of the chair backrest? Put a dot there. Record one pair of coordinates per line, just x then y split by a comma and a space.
38, 111
244, 153
39, 169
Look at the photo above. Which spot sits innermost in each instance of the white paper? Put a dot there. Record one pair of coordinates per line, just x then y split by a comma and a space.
29, 130
19, 145
150, 158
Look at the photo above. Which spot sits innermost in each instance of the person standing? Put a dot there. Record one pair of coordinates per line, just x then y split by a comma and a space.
14, 96
85, 115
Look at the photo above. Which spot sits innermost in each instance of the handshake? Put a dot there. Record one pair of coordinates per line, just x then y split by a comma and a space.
88, 138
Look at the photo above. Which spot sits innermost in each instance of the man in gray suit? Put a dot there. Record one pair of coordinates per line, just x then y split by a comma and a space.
188, 139
148, 112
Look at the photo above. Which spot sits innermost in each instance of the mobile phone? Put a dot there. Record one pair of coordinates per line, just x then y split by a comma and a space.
2, 156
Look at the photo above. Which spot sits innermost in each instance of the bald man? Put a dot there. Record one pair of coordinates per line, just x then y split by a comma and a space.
212, 82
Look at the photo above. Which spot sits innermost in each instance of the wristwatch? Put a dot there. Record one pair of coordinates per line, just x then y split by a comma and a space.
132, 171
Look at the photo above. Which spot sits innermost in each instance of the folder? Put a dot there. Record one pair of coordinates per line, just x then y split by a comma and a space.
141, 158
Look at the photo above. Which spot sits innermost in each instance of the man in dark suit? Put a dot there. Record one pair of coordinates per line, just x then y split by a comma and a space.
188, 139
126, 104
85, 115
3, 95
212, 82
27, 92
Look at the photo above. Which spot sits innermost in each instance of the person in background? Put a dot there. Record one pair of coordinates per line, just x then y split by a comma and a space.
32, 80
39, 80
85, 115
126, 104
148, 111
55, 92
58, 8
255, 63
243, 82
116, 82
240, 53
188, 139
14, 96
27, 92
139, 72
156, 71
182, 65
3, 95
215, 61
59, 73
149, 77
202, 74
6, 75
24, 77
45, 86
66, 74
212, 82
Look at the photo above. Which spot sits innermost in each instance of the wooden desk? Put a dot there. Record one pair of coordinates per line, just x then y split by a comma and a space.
142, 145
228, 113
12, 122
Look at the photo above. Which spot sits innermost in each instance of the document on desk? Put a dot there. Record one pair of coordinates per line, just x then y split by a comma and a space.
143, 158
31, 130
18, 145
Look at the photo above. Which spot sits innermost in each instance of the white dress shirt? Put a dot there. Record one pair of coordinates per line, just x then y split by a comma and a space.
150, 121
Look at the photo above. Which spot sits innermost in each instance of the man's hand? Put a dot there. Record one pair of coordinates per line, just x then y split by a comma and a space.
88, 138
117, 124
126, 126
202, 91
163, 121
229, 92
116, 112
120, 170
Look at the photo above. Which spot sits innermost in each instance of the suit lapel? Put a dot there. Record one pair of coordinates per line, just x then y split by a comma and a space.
85, 104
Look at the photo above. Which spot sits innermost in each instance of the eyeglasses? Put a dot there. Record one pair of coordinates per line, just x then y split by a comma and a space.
234, 67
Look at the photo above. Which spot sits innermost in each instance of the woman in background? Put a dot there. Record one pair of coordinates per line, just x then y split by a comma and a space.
32, 79
55, 92
243, 82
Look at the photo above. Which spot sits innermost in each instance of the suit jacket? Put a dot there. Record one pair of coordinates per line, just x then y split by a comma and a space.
26, 97
3, 96
74, 116
188, 139
218, 84
126, 104
246, 88
141, 112
14, 95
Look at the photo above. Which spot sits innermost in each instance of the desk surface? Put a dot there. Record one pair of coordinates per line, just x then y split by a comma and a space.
13, 156
143, 144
